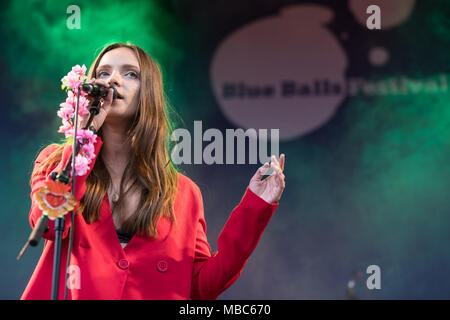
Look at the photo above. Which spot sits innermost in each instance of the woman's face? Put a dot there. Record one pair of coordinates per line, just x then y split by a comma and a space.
120, 67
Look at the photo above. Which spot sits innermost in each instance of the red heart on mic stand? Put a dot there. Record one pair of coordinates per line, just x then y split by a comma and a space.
55, 200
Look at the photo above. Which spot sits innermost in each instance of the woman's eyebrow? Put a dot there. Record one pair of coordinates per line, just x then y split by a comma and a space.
124, 66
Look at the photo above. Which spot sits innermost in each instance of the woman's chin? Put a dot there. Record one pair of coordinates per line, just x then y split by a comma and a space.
118, 106
119, 112
117, 102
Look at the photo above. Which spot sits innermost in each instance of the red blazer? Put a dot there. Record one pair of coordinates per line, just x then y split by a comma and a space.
176, 265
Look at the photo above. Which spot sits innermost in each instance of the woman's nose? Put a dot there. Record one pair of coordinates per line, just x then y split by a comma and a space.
115, 79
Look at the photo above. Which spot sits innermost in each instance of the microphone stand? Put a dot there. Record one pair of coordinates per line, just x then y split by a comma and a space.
63, 176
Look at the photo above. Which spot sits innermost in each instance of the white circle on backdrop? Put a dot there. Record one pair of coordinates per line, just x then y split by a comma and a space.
250, 66
378, 56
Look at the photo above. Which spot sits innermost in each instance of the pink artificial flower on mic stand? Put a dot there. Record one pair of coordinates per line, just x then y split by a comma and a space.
71, 83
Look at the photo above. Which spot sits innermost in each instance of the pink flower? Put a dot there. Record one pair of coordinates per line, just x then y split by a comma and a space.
88, 150
89, 135
67, 129
75, 77
81, 165
67, 108
79, 70
66, 111
86, 136
82, 108
72, 80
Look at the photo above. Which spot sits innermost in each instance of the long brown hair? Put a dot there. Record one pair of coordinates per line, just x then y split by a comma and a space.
149, 170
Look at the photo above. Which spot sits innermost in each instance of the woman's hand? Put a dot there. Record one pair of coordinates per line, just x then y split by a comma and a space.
271, 188
104, 108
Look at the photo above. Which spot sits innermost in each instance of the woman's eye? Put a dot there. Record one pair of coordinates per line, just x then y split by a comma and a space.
102, 74
132, 74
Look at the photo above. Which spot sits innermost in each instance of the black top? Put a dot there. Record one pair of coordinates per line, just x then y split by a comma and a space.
123, 237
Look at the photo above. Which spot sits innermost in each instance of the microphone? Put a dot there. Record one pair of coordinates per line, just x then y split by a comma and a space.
96, 91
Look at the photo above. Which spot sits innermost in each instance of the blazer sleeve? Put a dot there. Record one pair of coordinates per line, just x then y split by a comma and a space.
41, 179
213, 274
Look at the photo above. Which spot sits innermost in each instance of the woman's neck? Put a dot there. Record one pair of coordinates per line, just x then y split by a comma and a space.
115, 149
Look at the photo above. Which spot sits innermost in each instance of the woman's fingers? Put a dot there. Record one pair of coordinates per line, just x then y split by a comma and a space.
101, 82
274, 160
261, 171
108, 100
279, 162
280, 178
279, 175
275, 165
276, 170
